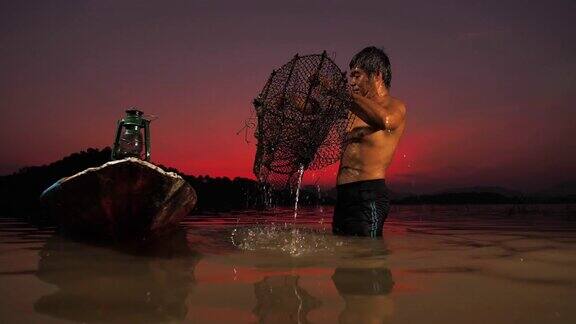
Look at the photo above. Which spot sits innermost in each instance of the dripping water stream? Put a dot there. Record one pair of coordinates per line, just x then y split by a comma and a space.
300, 173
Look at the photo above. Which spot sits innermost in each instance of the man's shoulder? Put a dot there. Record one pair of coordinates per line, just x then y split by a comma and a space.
397, 105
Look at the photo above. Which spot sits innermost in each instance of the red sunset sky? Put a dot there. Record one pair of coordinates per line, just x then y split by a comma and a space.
489, 85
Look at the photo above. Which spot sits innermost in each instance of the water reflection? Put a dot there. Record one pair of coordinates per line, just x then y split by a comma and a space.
449, 270
360, 275
364, 282
365, 292
281, 300
98, 284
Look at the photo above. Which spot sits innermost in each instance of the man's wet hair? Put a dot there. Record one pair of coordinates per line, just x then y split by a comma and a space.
373, 60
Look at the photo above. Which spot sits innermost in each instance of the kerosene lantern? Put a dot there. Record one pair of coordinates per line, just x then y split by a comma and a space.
132, 136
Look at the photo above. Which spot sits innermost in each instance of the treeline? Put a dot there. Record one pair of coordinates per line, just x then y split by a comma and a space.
225, 194
20, 192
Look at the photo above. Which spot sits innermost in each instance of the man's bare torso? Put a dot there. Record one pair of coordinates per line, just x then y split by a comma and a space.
369, 151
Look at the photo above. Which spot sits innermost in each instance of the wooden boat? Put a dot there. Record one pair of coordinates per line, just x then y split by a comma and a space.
121, 200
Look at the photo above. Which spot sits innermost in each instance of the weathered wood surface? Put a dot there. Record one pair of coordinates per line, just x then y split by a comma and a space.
123, 199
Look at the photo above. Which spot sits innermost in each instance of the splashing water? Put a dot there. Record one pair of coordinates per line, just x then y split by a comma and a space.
300, 173
291, 241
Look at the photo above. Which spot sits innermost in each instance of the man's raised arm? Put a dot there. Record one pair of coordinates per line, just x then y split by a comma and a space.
375, 115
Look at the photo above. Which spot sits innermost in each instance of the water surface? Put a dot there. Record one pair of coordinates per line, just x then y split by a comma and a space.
496, 264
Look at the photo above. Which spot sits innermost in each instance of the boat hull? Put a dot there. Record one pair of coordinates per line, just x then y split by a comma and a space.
120, 200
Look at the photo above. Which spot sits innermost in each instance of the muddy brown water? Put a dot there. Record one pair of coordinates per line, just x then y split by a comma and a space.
435, 264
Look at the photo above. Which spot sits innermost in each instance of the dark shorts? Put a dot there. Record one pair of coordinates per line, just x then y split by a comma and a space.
361, 208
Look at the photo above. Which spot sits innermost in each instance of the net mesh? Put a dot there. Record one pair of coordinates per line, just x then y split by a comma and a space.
301, 119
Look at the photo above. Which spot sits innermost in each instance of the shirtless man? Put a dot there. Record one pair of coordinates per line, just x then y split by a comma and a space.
379, 121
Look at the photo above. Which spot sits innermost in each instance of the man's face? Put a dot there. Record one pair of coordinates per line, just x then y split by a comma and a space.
360, 83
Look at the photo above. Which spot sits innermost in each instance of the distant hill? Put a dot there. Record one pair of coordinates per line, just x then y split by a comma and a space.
463, 195
561, 189
483, 189
562, 193
459, 198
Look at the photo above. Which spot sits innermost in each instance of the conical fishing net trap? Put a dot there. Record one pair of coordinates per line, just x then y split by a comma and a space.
302, 118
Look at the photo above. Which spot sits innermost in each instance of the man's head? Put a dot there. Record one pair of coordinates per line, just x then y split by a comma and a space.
368, 68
